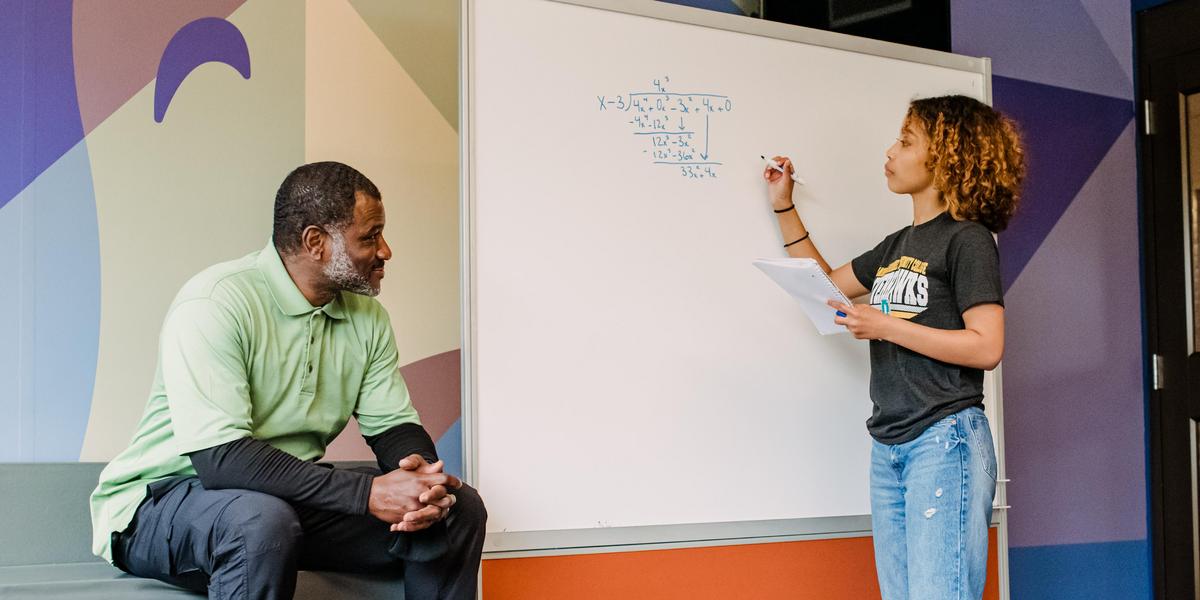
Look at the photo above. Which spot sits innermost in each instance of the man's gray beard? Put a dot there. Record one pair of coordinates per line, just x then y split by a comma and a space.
340, 271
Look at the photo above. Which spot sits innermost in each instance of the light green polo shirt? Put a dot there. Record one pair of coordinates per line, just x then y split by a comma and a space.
243, 354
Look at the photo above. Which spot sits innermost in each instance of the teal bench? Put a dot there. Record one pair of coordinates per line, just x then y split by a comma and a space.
45, 545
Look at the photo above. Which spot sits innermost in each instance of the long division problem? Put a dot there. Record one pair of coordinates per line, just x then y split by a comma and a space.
676, 126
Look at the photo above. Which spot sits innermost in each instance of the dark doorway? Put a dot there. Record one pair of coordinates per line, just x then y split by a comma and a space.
1169, 96
922, 23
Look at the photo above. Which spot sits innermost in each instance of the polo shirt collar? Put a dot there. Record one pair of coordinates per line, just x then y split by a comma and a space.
287, 296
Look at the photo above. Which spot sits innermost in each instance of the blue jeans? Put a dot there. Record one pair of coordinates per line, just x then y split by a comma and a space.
931, 504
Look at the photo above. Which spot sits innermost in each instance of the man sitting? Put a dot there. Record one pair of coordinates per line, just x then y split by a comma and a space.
261, 362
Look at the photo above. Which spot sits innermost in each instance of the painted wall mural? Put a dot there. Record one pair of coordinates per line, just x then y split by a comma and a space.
149, 140
143, 141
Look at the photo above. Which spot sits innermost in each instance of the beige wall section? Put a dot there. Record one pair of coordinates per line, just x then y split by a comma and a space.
176, 197
423, 38
363, 109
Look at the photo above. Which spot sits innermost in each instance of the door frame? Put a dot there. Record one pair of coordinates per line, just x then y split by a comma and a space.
1164, 36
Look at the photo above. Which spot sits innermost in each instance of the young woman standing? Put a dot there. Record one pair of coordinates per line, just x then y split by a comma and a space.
935, 318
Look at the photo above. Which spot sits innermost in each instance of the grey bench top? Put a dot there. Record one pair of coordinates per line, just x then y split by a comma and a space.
99, 580
46, 530
81, 580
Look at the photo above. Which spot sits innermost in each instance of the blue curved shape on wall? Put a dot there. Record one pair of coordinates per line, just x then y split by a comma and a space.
204, 40
49, 334
449, 449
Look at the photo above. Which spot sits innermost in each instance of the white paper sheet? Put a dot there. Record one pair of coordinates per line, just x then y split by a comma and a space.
804, 280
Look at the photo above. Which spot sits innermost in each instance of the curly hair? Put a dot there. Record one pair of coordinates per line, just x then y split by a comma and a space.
975, 156
321, 194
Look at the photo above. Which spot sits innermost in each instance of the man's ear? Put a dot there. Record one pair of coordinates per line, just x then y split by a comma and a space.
312, 242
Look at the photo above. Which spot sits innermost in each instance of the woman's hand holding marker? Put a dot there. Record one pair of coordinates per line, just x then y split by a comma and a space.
775, 165
864, 322
779, 185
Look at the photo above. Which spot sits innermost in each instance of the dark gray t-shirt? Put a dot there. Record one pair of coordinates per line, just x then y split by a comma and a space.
930, 274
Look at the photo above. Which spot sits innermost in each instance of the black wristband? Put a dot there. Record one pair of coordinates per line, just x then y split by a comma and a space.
802, 238
780, 211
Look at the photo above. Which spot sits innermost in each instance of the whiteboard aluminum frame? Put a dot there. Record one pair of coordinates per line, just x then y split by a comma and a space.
617, 539
521, 544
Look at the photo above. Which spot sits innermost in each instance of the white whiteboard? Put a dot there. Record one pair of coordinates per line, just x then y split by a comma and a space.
627, 366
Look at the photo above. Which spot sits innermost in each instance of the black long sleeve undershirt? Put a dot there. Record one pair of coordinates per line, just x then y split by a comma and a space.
251, 464
391, 446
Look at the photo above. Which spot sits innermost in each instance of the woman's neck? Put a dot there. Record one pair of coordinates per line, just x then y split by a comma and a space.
927, 204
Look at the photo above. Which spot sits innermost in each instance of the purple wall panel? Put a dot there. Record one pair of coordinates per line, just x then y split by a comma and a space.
1114, 22
1066, 133
1055, 43
1074, 419
1072, 374
40, 113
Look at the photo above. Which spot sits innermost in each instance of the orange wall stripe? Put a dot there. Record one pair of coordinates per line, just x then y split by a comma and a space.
835, 569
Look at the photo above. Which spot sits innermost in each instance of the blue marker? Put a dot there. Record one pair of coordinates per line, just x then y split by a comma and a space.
841, 314
887, 310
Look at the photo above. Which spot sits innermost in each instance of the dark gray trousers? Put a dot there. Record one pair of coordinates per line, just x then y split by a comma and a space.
241, 544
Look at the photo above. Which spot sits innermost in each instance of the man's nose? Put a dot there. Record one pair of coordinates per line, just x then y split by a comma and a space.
385, 251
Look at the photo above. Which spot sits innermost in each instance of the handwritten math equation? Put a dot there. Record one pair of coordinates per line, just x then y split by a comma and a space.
674, 125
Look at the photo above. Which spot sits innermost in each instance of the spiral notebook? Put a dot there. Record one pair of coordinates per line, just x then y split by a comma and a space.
804, 280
